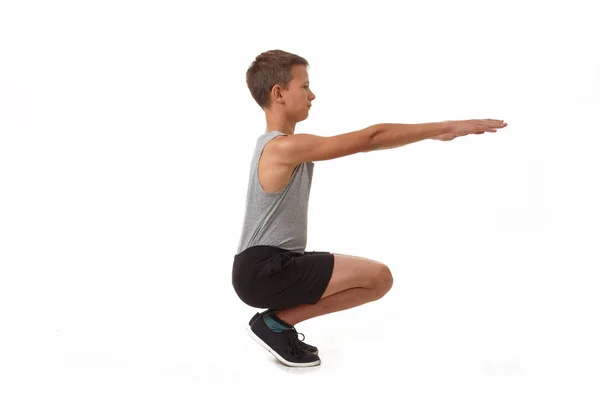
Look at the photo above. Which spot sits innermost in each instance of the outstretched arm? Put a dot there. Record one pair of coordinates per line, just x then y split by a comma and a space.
387, 136
305, 147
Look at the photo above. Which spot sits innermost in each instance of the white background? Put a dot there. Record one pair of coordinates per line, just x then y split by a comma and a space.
126, 133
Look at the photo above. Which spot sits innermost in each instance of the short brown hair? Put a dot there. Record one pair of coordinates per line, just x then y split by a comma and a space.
273, 67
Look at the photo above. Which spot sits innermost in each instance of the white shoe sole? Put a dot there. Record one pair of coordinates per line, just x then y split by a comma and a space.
274, 353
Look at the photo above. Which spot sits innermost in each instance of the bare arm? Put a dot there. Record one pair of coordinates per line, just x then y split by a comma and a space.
387, 136
304, 147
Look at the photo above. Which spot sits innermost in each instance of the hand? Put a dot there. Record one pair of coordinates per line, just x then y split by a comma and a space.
471, 126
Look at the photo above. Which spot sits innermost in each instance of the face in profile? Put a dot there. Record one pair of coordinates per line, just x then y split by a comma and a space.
298, 98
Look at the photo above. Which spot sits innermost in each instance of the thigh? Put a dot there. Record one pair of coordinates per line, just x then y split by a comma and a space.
271, 277
353, 272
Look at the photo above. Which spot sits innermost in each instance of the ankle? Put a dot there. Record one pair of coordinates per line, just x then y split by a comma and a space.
284, 321
285, 317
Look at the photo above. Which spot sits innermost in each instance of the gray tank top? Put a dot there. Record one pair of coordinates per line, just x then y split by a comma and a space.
276, 219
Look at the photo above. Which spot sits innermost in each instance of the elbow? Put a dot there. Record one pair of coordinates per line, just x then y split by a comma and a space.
371, 132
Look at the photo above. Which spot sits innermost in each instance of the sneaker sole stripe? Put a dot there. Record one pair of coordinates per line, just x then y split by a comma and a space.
274, 353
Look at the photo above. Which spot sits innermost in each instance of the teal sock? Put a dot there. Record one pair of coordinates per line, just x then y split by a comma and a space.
275, 324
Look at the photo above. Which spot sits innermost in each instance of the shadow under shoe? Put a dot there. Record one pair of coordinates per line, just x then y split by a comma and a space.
285, 345
310, 348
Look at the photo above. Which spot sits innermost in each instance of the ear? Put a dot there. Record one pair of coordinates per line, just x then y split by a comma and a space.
276, 94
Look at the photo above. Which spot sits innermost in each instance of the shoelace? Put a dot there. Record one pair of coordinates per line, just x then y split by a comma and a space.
298, 333
293, 343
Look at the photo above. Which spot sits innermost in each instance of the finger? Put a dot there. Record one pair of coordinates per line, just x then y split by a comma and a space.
486, 128
495, 122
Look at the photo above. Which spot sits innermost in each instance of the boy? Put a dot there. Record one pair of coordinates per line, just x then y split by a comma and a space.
271, 268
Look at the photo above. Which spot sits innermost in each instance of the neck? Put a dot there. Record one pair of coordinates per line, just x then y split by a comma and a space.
278, 122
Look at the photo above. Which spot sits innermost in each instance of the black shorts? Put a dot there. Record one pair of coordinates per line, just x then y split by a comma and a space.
271, 277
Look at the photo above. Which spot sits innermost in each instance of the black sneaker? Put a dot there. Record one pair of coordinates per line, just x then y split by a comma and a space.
285, 345
307, 347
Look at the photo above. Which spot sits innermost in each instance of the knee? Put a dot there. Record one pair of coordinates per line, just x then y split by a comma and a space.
383, 280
